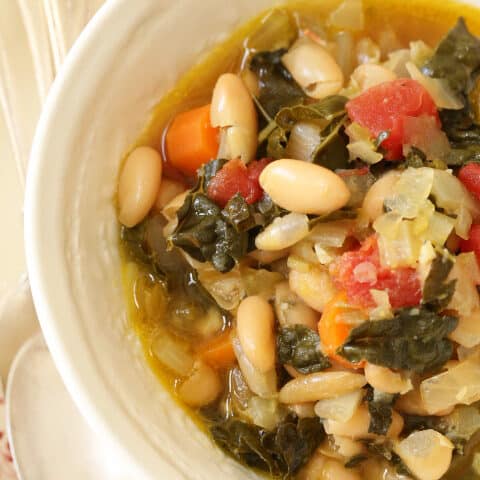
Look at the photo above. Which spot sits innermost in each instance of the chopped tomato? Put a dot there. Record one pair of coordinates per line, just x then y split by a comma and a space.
234, 178
384, 107
473, 242
469, 175
357, 272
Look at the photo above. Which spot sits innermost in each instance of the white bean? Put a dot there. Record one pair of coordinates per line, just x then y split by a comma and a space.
232, 110
255, 321
304, 187
357, 427
314, 68
426, 453
303, 410
373, 202
314, 287
412, 404
348, 448
202, 387
370, 74
386, 380
313, 470
138, 185
169, 189
317, 386
334, 470
283, 232
265, 257
291, 310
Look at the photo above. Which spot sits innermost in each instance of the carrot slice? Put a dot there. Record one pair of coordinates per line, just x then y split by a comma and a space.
191, 140
218, 352
333, 331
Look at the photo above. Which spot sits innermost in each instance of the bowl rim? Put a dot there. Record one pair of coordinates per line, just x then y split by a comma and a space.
83, 382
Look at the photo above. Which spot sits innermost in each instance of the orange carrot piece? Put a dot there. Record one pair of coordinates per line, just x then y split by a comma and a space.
218, 352
191, 140
333, 332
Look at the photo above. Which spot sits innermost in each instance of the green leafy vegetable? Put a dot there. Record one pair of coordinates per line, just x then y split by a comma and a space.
189, 302
416, 158
222, 237
329, 113
299, 346
455, 58
380, 407
414, 339
437, 292
356, 460
277, 86
281, 452
385, 451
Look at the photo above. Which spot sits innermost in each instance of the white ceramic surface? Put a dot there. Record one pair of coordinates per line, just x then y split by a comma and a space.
125, 60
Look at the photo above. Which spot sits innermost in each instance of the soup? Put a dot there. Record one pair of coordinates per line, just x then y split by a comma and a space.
300, 228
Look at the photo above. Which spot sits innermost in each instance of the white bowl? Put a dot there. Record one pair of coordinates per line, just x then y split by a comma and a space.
126, 59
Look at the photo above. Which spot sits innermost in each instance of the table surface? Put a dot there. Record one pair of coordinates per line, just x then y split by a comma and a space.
35, 36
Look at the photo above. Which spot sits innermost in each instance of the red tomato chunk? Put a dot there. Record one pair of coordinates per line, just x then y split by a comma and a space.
473, 242
359, 271
234, 178
469, 175
383, 108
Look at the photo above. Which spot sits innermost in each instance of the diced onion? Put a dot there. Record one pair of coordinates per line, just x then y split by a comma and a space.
367, 51
420, 52
331, 234
437, 88
264, 412
344, 52
226, 288
397, 61
340, 408
283, 232
304, 139
458, 385
173, 354
463, 222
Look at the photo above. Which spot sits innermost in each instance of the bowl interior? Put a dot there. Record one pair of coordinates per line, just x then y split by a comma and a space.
128, 57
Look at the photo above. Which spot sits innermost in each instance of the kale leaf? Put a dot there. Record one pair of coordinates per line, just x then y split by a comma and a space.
414, 339
457, 61
222, 237
437, 292
416, 158
380, 407
277, 86
188, 299
331, 117
455, 58
299, 346
281, 452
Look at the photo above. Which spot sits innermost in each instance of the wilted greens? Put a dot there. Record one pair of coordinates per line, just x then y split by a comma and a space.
299, 346
281, 452
414, 339
380, 407
437, 292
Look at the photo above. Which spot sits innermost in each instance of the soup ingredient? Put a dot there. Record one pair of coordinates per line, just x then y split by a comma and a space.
426, 453
201, 387
233, 111
277, 86
358, 426
348, 15
313, 68
169, 189
373, 202
283, 232
469, 175
173, 354
339, 408
383, 108
320, 385
380, 409
299, 347
359, 271
458, 385
208, 233
138, 185
334, 327
472, 244
218, 352
191, 140
234, 177
281, 451
370, 74
303, 187
385, 380
414, 339
264, 384
255, 322
439, 288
